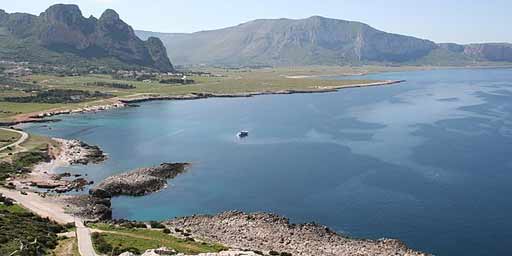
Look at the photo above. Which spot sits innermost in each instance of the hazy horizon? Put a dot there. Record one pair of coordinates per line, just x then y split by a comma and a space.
440, 21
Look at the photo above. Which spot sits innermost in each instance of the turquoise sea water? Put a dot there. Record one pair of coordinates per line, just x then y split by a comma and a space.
427, 161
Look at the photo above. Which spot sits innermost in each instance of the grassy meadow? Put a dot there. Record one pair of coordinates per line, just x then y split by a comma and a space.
139, 240
8, 137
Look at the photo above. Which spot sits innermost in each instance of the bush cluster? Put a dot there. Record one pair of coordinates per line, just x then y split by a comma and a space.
21, 162
111, 85
17, 226
55, 96
156, 224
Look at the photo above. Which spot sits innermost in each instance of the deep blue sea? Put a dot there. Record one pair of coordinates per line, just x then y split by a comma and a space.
428, 161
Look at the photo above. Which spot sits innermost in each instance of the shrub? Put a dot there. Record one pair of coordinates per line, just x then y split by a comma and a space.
156, 224
273, 253
100, 244
166, 231
58, 96
38, 235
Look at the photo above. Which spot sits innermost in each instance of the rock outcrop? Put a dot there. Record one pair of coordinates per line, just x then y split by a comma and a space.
138, 182
89, 207
268, 232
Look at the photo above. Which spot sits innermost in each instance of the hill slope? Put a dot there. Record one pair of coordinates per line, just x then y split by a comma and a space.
317, 40
61, 35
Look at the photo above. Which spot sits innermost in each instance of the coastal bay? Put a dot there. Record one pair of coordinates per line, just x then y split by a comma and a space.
357, 163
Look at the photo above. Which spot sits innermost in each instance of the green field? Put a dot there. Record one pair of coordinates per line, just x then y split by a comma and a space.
143, 239
8, 137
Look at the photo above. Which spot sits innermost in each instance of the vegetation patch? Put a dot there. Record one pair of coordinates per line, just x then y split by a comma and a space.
20, 227
22, 162
59, 96
118, 240
177, 81
66, 247
111, 85
8, 137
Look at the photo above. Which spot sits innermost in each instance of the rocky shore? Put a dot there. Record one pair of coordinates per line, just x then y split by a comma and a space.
268, 232
44, 116
139, 182
68, 152
79, 110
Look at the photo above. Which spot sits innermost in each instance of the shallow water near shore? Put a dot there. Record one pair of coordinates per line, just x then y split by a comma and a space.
426, 161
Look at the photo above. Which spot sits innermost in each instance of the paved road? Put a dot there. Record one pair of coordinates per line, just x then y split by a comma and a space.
24, 137
83, 235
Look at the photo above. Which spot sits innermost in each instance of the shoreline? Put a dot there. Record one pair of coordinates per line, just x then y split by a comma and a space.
43, 176
43, 116
308, 239
197, 96
236, 230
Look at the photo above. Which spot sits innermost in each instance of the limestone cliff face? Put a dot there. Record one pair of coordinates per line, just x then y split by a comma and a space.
490, 52
319, 41
158, 52
62, 28
315, 40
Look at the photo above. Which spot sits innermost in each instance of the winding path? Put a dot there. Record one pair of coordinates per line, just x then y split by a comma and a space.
24, 137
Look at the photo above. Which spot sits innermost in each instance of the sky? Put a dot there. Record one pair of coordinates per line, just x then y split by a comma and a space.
458, 21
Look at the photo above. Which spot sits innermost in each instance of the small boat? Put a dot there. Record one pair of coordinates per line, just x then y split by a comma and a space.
242, 134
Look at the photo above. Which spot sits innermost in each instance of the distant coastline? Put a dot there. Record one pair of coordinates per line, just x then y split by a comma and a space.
45, 116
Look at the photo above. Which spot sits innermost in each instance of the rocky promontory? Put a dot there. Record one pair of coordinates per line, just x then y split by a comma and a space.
139, 182
268, 232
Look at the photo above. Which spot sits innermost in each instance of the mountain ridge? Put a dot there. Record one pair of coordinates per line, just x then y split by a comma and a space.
62, 35
317, 40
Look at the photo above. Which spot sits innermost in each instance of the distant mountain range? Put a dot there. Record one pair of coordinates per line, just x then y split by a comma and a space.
61, 35
318, 41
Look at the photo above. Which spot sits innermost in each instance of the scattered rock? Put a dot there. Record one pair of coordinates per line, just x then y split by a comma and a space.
127, 254
269, 232
89, 207
159, 252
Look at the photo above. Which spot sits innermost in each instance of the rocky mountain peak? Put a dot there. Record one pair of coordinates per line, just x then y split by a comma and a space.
111, 25
110, 15
63, 29
68, 14
3, 16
